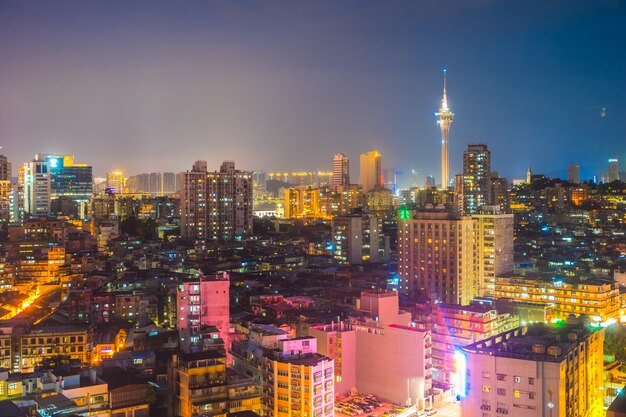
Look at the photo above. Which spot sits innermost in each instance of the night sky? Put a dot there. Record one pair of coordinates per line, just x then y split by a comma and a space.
152, 86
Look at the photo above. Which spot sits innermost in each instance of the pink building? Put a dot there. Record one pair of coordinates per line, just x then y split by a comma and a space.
201, 304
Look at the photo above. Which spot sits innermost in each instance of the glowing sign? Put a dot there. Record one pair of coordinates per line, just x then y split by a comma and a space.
460, 370
405, 214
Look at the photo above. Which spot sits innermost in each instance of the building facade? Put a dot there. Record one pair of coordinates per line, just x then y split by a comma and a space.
370, 171
476, 178
341, 170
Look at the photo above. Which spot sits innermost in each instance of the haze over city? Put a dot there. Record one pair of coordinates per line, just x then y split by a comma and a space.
153, 85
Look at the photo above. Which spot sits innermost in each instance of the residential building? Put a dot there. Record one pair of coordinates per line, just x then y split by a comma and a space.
341, 170
357, 238
436, 255
573, 173
298, 380
116, 182
534, 371
476, 178
36, 180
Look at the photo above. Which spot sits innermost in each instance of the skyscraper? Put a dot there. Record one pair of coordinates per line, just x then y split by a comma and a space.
444, 120
36, 180
613, 170
436, 255
115, 181
216, 205
341, 170
573, 173
69, 180
5, 188
371, 173
476, 178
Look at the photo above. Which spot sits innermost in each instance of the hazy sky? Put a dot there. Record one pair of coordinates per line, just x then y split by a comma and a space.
152, 85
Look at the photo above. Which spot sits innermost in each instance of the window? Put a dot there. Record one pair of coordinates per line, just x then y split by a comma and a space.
501, 377
531, 395
501, 391
486, 388
516, 393
517, 379
486, 374
531, 381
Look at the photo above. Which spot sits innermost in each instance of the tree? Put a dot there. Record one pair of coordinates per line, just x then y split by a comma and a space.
615, 342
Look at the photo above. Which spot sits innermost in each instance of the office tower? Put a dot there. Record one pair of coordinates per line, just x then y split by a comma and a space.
155, 187
436, 255
476, 178
444, 120
500, 194
299, 381
203, 303
5, 189
36, 180
393, 358
370, 174
613, 170
573, 173
70, 182
529, 176
169, 183
116, 182
536, 371
429, 181
216, 205
341, 170
493, 237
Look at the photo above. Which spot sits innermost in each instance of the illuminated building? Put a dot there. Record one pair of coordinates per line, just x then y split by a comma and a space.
493, 239
357, 238
500, 194
529, 176
116, 182
429, 181
203, 303
393, 358
444, 120
302, 202
46, 341
370, 171
380, 200
169, 183
579, 194
156, 184
597, 298
534, 371
436, 255
199, 383
338, 342
341, 170
298, 381
476, 178
5, 189
217, 205
244, 394
573, 173
36, 188
69, 180
455, 326
302, 177
613, 170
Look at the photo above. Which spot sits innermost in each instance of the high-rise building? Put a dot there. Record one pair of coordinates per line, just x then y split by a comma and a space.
500, 194
573, 173
370, 171
201, 304
36, 179
302, 202
534, 371
529, 175
169, 183
341, 170
436, 255
476, 178
357, 238
493, 239
299, 381
69, 181
156, 184
429, 181
5, 189
216, 205
613, 170
116, 182
444, 120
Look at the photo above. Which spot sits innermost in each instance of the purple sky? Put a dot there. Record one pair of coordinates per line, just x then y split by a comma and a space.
152, 86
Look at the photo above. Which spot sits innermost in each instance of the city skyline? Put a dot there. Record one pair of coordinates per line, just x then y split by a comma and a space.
364, 84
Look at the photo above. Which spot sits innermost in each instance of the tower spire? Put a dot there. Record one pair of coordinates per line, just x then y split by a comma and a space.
444, 100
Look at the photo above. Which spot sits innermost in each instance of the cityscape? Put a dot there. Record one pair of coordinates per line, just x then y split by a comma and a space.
366, 275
